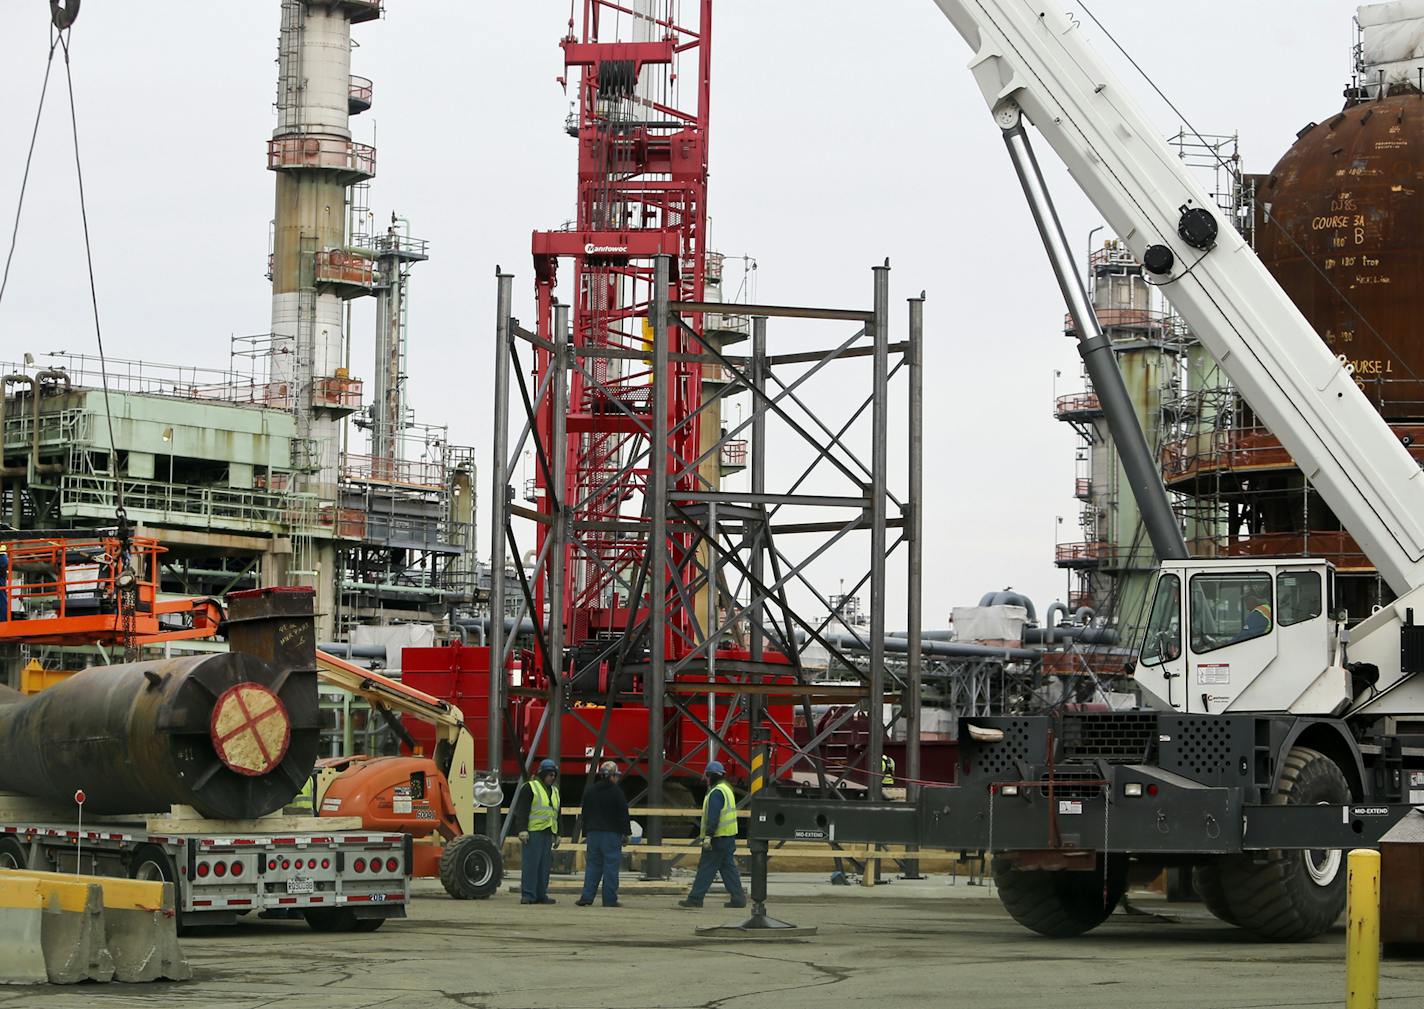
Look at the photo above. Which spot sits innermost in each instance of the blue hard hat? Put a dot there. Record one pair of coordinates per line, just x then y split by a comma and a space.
546, 765
715, 767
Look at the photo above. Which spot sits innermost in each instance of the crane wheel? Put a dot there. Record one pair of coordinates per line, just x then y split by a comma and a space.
471, 867
1211, 888
1292, 894
12, 854
1061, 903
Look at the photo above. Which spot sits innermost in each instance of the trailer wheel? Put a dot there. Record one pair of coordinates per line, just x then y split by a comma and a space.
12, 854
152, 863
1292, 894
471, 867
340, 920
1211, 888
1060, 903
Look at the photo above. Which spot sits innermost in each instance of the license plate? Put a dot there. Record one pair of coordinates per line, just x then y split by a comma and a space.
301, 884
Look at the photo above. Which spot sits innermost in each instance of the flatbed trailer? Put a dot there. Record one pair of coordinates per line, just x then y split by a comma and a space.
298, 867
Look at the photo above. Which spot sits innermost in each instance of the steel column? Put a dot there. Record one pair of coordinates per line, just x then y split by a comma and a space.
914, 544
499, 499
879, 458
559, 531
1096, 350
657, 554
757, 616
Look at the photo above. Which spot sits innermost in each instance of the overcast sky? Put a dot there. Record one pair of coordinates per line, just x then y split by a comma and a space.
844, 131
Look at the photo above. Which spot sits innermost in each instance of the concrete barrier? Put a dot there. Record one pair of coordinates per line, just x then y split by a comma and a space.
21, 930
97, 927
70, 916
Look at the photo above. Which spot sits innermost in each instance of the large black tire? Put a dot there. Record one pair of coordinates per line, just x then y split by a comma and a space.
12, 854
1211, 888
1060, 903
1291, 894
152, 863
471, 867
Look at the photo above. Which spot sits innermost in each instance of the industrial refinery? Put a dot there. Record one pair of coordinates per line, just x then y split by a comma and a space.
575, 529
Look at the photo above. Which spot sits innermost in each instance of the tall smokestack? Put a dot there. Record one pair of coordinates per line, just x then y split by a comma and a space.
314, 271
316, 162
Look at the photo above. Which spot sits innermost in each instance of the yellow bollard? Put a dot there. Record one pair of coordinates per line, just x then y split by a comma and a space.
1362, 938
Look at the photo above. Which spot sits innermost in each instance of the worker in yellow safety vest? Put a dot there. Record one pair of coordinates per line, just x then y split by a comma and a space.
887, 770
536, 822
718, 834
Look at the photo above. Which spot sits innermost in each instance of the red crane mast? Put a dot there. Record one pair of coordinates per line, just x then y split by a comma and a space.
641, 121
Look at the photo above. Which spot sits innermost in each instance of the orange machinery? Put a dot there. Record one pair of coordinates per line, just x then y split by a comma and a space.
431, 798
70, 590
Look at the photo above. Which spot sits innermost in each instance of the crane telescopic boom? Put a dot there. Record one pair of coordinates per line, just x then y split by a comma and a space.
1034, 62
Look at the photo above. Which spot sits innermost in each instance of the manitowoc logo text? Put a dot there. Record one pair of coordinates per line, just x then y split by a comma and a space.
591, 249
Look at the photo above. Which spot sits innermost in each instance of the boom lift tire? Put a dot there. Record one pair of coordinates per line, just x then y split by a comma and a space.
471, 867
1061, 903
1211, 888
12, 854
1292, 894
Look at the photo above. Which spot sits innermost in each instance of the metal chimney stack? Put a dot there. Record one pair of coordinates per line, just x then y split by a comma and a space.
313, 268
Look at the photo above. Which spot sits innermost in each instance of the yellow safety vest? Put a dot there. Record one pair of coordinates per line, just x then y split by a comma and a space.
543, 806
1265, 611
887, 767
727, 821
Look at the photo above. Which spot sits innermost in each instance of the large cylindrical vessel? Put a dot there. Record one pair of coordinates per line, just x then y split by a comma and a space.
228, 734
1343, 234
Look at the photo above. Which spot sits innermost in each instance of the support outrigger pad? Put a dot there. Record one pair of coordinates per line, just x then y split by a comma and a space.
759, 926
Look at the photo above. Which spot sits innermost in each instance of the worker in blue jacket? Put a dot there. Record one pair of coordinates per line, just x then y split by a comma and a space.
719, 842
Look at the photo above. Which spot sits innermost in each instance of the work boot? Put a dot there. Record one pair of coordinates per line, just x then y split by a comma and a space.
582, 903
525, 900
616, 903
689, 903
736, 903
546, 900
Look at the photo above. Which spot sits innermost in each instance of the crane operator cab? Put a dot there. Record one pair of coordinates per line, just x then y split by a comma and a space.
1243, 635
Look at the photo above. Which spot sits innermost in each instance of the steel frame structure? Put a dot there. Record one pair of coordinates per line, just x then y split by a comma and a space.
742, 553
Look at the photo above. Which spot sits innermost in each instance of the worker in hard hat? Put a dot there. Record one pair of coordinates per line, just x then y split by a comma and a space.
1258, 618
718, 834
606, 829
536, 822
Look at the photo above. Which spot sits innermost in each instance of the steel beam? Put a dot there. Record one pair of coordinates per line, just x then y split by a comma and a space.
499, 498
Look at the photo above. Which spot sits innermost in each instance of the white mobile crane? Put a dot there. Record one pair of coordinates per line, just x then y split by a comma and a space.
1271, 736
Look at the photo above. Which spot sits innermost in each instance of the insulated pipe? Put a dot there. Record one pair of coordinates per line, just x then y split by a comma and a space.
1084, 615
946, 649
1009, 598
14, 378
1055, 607
36, 389
1138, 463
19, 472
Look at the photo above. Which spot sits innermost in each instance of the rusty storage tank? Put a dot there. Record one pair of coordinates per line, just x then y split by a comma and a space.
1341, 228
234, 735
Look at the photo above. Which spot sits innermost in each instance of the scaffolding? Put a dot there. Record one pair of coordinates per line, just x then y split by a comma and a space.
720, 600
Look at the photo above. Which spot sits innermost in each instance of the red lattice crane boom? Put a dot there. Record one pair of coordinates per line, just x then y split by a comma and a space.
641, 120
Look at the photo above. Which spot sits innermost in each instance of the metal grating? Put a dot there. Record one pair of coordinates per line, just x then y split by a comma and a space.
1204, 746
1120, 737
1004, 757
1073, 785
